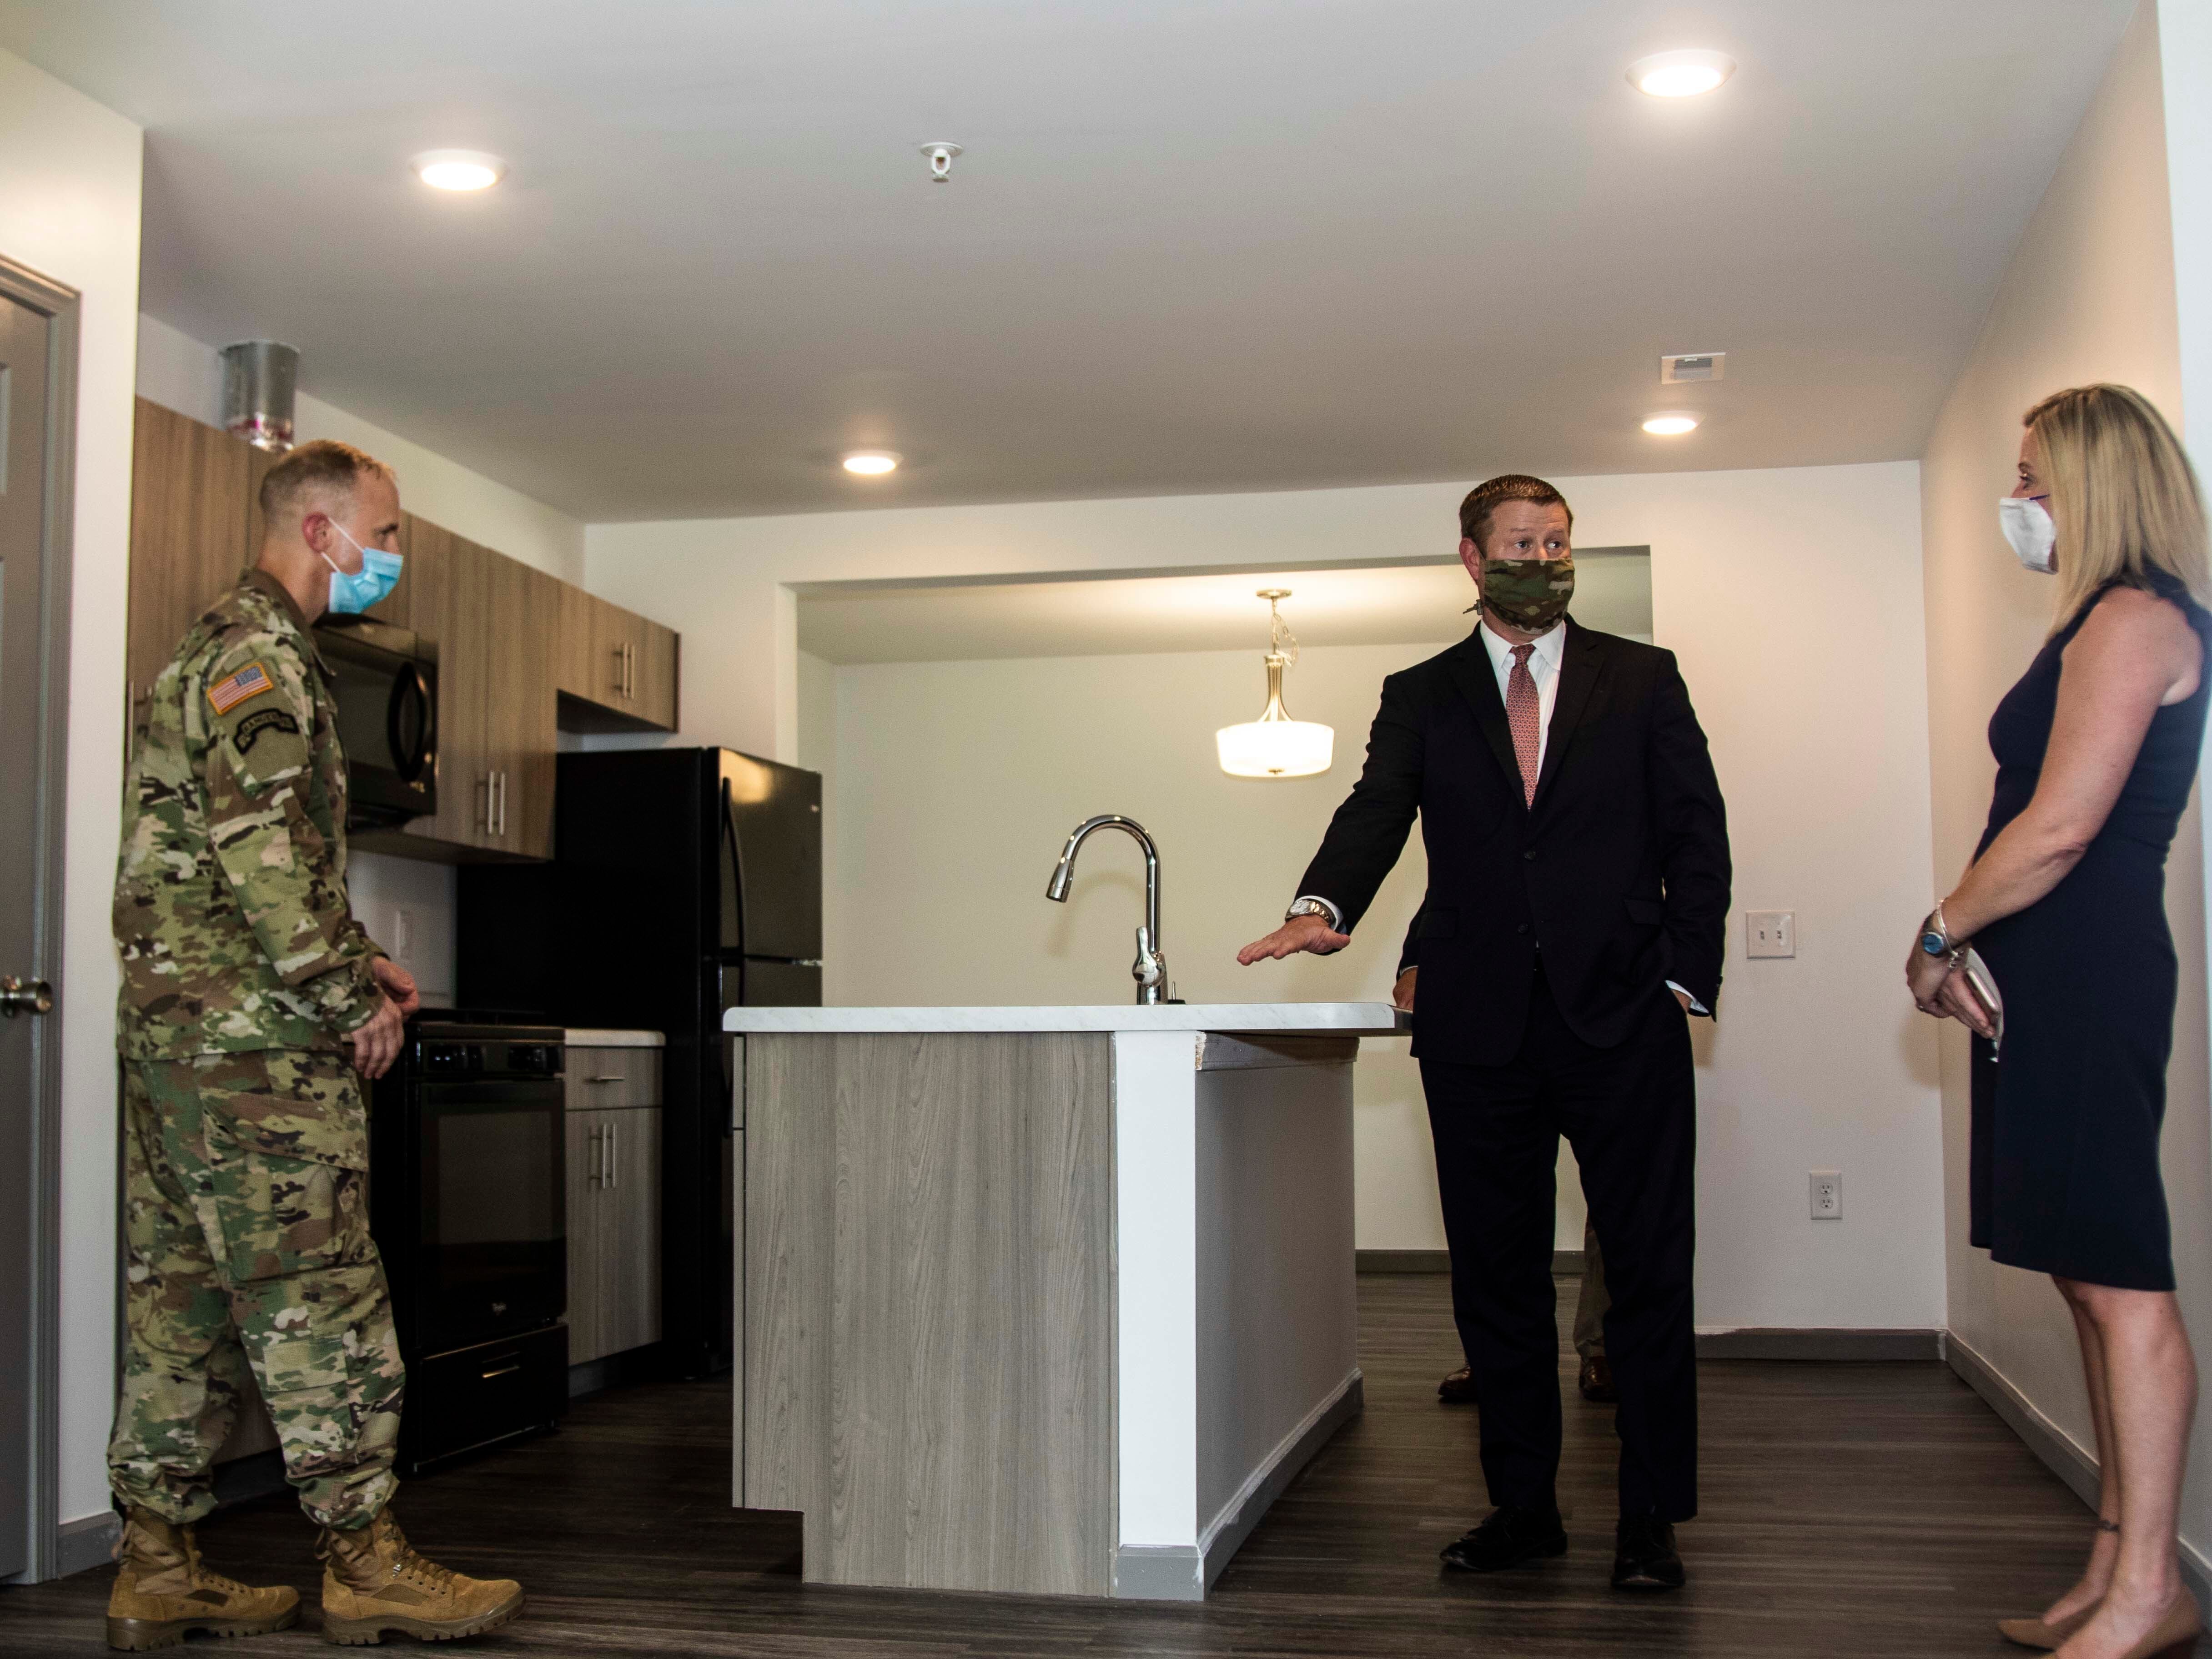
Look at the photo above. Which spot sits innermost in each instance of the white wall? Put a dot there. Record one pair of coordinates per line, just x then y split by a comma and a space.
181, 373
69, 208
1780, 591
2089, 295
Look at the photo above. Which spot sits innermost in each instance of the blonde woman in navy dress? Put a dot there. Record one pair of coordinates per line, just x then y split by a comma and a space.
2096, 749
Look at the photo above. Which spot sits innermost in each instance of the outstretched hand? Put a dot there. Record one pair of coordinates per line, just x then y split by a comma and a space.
1299, 933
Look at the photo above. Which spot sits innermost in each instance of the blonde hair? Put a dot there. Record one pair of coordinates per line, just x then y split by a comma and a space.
2123, 496
314, 468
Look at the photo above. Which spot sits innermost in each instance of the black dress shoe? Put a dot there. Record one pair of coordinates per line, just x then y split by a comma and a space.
1458, 1388
1643, 1556
1596, 1381
1506, 1537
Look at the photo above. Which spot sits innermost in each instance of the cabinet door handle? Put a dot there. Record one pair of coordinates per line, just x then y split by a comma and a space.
508, 1369
484, 822
613, 1178
611, 1077
592, 1159
618, 670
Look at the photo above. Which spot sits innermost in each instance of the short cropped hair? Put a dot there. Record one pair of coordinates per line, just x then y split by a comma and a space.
1487, 496
313, 469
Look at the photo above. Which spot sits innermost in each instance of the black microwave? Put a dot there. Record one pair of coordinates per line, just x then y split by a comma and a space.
386, 679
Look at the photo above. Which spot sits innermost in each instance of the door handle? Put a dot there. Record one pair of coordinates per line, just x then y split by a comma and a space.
595, 1169
25, 996
486, 786
613, 1179
508, 1369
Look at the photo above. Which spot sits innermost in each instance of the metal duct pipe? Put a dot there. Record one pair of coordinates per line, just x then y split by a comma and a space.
258, 378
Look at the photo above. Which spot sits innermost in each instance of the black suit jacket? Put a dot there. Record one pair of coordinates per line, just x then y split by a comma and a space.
1619, 869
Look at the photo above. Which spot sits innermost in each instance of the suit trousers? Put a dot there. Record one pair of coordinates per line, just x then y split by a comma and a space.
1630, 1112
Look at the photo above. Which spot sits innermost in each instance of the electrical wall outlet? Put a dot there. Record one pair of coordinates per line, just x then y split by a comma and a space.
1827, 1190
1771, 933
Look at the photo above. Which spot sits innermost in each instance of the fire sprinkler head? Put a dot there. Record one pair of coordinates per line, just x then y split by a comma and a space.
940, 154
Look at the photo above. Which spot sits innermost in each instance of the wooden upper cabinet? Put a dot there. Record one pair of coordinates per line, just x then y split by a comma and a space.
576, 671
189, 504
526, 613
617, 669
447, 607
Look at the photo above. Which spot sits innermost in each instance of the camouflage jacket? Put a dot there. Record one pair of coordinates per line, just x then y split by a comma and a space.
230, 900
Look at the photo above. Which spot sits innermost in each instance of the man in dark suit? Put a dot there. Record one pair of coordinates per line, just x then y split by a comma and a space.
1578, 886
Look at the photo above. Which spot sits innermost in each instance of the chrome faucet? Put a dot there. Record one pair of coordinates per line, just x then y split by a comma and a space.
1151, 969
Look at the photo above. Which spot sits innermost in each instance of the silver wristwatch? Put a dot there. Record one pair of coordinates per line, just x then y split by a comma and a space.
1315, 907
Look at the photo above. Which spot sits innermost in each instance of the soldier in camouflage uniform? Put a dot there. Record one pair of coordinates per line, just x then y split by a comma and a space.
253, 1005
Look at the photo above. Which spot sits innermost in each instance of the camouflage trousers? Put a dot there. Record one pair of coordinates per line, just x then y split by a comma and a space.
245, 1197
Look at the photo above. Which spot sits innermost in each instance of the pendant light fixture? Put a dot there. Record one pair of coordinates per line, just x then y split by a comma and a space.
1276, 746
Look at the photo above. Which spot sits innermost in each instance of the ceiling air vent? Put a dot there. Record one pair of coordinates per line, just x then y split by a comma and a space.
1692, 366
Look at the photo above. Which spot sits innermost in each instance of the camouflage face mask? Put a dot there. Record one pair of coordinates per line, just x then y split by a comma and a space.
1529, 593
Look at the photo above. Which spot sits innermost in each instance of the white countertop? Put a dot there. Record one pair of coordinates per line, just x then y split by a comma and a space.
584, 1036
1338, 1018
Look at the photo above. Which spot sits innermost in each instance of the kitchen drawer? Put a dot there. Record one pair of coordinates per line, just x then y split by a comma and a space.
601, 1077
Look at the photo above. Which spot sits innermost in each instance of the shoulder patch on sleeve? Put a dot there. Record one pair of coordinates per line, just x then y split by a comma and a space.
248, 681
261, 719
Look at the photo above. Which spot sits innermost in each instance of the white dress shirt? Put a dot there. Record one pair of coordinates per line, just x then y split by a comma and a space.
1544, 669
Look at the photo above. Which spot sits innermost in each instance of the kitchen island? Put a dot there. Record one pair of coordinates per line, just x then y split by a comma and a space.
1044, 1300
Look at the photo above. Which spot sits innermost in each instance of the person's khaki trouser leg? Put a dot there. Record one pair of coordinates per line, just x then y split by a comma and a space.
1589, 1308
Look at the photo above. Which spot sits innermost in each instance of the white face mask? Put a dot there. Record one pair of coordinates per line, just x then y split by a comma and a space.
2026, 524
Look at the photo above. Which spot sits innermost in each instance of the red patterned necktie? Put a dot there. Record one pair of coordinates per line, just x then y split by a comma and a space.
1523, 713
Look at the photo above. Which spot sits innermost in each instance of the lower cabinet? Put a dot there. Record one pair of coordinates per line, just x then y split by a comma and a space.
614, 1231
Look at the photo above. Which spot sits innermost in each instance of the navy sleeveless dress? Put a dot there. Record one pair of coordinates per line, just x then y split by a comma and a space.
2065, 1166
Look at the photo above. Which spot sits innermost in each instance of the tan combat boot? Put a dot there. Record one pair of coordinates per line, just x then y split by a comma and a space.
373, 1582
162, 1592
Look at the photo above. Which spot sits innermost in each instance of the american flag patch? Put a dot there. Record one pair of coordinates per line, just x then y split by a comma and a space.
250, 681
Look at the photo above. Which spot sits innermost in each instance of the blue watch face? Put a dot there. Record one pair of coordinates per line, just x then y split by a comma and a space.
1934, 944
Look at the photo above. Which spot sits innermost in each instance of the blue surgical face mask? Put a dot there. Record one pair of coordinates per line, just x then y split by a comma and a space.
354, 592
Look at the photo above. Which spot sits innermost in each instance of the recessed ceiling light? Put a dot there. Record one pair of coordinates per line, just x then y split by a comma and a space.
459, 169
1681, 74
872, 463
1670, 425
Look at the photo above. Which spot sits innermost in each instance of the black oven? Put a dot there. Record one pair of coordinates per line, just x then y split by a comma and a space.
468, 1203
387, 696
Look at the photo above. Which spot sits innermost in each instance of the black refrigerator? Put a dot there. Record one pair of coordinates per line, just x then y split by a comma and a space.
683, 882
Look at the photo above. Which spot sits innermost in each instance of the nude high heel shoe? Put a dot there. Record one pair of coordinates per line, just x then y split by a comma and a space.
2174, 1636
2036, 1632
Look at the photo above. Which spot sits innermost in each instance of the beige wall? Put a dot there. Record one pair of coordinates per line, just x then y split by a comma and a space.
2089, 296
1778, 590
69, 209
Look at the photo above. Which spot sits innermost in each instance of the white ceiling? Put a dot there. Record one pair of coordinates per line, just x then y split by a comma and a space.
1193, 246
1093, 617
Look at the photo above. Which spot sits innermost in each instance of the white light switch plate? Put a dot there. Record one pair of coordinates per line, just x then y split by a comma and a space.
1771, 933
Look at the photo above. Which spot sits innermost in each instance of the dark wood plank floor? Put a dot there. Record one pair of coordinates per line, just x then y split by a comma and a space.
1849, 1509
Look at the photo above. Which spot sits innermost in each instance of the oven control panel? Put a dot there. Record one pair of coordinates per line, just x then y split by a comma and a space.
481, 1057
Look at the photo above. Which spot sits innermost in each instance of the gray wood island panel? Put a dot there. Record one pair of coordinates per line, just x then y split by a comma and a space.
929, 1320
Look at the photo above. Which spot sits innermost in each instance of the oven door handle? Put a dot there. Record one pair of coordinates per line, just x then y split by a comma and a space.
408, 686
